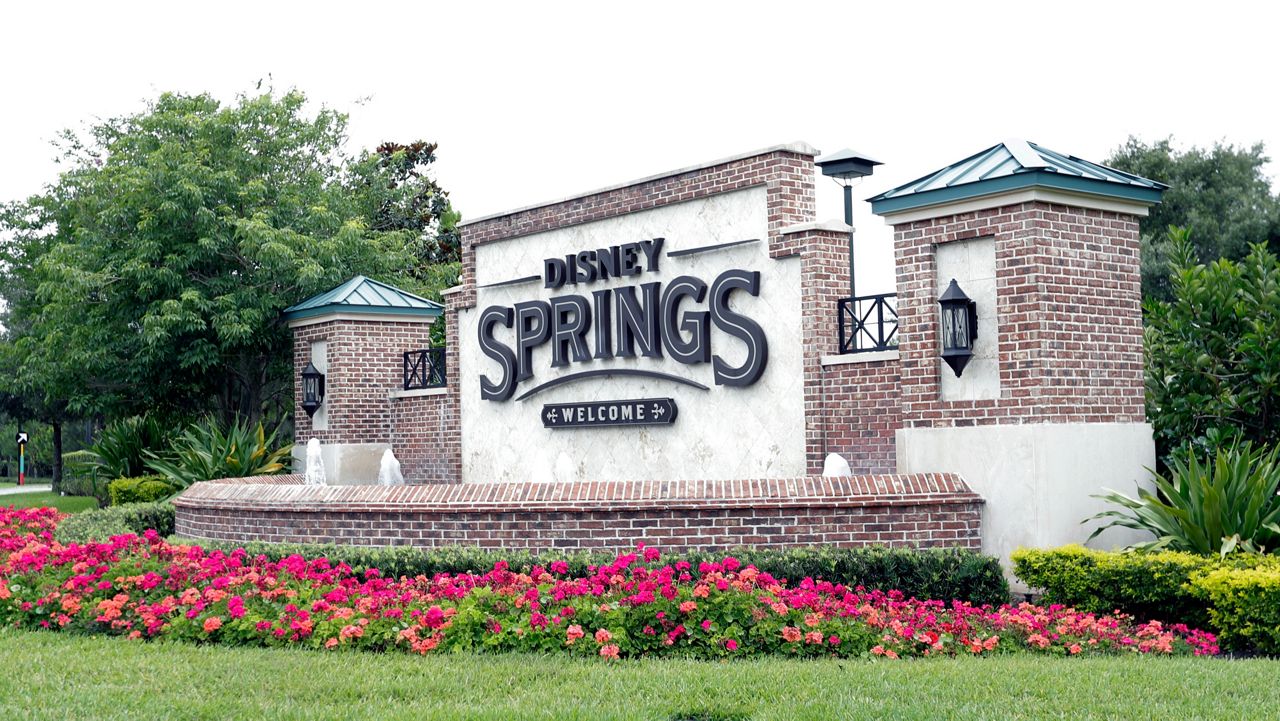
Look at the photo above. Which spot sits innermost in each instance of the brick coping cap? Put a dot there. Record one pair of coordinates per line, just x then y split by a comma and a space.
798, 147
287, 492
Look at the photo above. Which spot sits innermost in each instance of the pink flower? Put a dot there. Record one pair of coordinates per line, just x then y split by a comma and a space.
688, 607
603, 636
609, 651
706, 624
731, 644
212, 623
791, 634
573, 633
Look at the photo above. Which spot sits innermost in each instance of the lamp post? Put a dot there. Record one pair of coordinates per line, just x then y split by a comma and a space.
845, 166
22, 439
959, 327
312, 389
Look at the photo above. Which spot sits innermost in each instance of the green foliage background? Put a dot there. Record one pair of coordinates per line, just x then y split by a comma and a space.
150, 276
1221, 193
1213, 351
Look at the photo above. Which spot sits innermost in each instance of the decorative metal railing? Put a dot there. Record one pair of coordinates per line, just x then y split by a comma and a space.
868, 323
424, 369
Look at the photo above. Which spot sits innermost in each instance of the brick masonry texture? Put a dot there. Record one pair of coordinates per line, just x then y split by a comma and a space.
916, 510
861, 408
365, 363
1069, 300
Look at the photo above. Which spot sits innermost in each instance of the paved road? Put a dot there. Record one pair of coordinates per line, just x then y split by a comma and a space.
29, 488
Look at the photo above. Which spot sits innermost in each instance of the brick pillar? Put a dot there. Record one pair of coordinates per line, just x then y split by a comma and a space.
363, 365
824, 279
1050, 411
1068, 317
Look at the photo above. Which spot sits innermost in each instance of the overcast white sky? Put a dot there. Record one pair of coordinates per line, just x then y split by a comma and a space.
535, 101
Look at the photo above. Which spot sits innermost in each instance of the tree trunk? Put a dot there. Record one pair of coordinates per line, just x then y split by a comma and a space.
57, 457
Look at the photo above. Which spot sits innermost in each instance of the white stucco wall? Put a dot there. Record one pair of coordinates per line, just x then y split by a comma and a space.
721, 433
1037, 479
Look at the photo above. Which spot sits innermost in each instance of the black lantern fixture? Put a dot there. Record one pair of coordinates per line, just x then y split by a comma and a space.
959, 327
312, 389
846, 166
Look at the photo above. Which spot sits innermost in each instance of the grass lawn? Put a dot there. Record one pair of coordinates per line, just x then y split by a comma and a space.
66, 504
67, 676
12, 481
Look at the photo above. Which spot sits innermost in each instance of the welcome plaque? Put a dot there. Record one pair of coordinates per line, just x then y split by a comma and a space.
637, 412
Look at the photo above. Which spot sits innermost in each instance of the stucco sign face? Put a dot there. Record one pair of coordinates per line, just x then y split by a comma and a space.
655, 344
671, 321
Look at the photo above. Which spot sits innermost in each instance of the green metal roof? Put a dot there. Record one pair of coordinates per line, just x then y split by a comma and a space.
367, 296
1013, 165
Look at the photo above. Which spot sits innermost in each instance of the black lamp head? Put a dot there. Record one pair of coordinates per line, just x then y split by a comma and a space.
847, 165
959, 327
312, 389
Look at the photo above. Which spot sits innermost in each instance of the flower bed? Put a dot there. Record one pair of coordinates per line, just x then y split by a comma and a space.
143, 587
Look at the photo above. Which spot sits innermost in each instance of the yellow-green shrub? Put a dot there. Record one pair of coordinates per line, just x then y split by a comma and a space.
142, 489
1244, 605
1146, 585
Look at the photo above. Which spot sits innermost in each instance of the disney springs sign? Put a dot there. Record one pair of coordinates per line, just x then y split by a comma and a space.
645, 320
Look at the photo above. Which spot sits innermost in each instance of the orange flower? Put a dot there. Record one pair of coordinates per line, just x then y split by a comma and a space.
603, 636
212, 623
610, 651
791, 634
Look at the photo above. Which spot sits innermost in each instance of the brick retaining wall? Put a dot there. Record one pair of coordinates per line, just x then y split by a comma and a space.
895, 510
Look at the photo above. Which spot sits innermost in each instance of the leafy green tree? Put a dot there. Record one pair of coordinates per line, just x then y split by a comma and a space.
151, 275
1213, 351
396, 193
1220, 193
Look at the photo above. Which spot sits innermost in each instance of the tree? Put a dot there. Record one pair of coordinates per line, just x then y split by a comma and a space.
151, 275
396, 193
1213, 351
1221, 194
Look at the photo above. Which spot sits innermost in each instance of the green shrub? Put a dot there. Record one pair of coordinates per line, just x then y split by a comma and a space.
103, 523
1213, 352
1146, 585
122, 446
143, 489
1219, 506
1244, 605
207, 451
926, 573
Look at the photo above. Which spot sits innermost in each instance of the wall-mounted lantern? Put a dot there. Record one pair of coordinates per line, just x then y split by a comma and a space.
959, 327
312, 389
